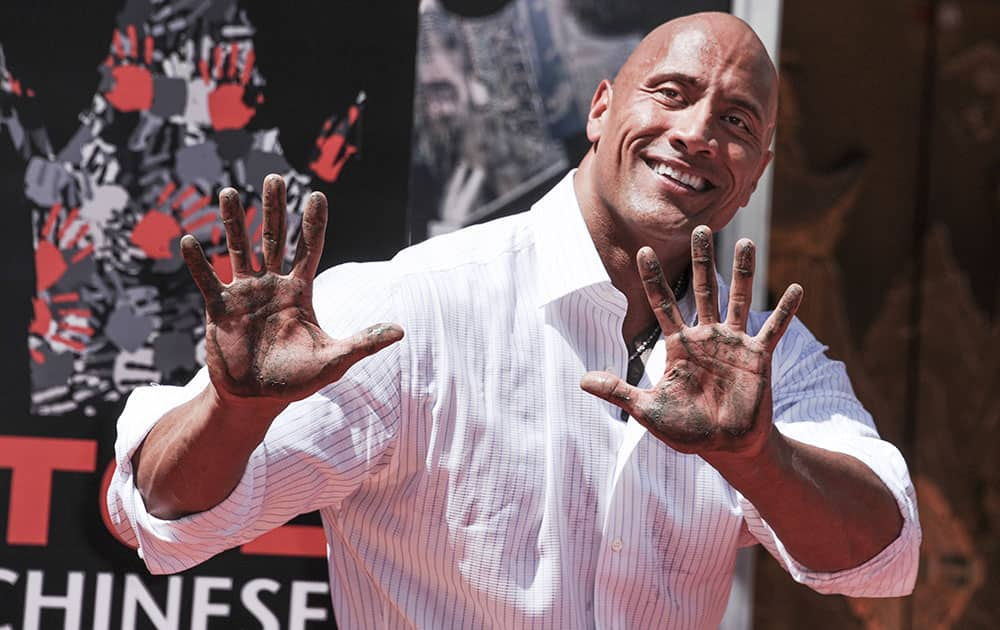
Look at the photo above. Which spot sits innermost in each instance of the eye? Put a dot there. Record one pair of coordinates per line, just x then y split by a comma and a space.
672, 94
738, 121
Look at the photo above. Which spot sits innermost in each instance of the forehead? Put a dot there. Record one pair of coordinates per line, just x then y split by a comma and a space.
731, 61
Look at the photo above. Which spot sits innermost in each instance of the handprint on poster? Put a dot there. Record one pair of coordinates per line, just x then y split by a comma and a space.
173, 119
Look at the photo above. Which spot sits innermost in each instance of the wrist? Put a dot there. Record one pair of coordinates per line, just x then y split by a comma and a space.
761, 463
243, 413
222, 398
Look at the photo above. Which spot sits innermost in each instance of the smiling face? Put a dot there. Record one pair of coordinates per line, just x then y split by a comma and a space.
681, 137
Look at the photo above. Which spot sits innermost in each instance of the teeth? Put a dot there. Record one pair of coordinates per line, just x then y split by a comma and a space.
698, 183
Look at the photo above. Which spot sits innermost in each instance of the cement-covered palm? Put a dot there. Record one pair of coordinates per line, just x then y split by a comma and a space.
715, 394
262, 337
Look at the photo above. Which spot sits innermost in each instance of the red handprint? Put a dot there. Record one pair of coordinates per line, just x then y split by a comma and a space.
227, 107
132, 84
334, 147
50, 261
188, 211
62, 243
68, 327
157, 231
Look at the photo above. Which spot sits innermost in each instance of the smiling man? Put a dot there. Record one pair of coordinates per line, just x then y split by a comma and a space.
570, 434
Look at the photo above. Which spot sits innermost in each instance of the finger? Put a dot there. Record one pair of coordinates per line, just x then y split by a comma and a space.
310, 246
741, 291
247, 67
363, 344
703, 275
658, 292
203, 54
119, 44
201, 271
612, 389
217, 60
273, 242
234, 58
776, 325
165, 194
234, 220
133, 41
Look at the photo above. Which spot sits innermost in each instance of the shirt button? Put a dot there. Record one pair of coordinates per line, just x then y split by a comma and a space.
617, 544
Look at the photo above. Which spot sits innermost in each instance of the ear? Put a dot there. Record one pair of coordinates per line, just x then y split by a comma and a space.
598, 109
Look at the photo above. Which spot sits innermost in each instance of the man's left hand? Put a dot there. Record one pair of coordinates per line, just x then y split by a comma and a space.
715, 394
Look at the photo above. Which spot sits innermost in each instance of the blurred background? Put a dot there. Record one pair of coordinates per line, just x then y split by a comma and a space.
121, 121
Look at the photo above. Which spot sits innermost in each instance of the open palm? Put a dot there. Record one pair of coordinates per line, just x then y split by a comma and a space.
262, 338
715, 393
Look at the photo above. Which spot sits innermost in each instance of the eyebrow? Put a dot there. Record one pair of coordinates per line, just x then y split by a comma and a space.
679, 77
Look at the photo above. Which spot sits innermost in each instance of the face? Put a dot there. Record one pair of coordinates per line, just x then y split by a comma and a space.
682, 135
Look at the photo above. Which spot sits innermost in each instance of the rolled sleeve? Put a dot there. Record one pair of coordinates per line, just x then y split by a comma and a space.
168, 546
893, 571
814, 403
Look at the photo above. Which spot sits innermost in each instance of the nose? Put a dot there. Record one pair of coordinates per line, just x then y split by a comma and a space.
692, 131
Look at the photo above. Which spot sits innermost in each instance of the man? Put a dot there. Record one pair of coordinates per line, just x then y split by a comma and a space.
463, 477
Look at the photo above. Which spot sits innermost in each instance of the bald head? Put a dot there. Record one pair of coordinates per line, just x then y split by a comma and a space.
682, 136
720, 38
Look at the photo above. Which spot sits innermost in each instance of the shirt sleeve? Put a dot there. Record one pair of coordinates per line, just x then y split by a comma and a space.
317, 452
815, 403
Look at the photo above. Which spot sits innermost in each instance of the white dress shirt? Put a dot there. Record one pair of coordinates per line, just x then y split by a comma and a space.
465, 480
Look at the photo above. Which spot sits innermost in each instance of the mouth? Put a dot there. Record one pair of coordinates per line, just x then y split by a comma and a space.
678, 176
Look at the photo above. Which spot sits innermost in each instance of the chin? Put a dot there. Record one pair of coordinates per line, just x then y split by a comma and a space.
659, 223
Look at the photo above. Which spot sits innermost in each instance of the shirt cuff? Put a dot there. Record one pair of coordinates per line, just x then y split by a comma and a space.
168, 546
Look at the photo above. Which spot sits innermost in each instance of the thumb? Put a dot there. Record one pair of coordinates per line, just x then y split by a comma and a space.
612, 389
364, 343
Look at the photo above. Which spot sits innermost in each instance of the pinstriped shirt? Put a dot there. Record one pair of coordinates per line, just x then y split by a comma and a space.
465, 480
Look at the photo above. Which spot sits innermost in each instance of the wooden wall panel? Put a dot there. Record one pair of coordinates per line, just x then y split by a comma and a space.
887, 209
847, 161
958, 392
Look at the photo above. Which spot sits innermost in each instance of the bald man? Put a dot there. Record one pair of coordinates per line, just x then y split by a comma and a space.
582, 423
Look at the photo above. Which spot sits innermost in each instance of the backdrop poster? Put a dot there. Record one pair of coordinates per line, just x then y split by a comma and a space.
119, 124
503, 89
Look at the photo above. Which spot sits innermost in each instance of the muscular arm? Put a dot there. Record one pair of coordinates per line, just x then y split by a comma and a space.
829, 509
195, 455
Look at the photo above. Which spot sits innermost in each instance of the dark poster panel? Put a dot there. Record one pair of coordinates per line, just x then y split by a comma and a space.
503, 90
119, 124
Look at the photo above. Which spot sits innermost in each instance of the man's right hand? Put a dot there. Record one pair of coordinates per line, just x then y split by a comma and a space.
262, 339
264, 349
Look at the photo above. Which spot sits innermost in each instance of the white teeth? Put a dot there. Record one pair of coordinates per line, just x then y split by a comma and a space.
698, 183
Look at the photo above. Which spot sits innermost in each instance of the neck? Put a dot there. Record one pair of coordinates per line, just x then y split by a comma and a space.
617, 246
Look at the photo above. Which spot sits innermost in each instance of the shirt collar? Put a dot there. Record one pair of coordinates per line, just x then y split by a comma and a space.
567, 258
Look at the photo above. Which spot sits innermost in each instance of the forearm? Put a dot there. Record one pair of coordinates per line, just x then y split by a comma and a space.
196, 454
829, 510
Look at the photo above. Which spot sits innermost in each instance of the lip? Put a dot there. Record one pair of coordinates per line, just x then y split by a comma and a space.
652, 161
